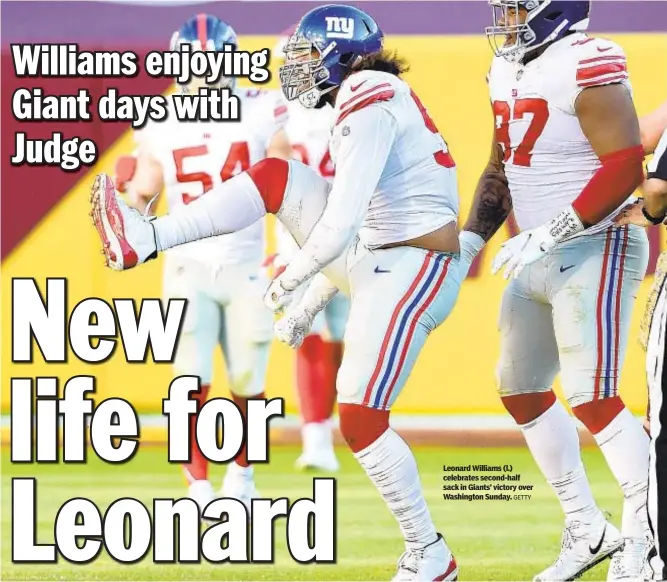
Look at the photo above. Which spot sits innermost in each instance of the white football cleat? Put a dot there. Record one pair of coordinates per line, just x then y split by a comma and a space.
318, 450
201, 491
583, 546
630, 562
434, 562
239, 483
128, 237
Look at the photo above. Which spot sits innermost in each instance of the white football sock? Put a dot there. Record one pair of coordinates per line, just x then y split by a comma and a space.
391, 466
227, 208
625, 446
553, 441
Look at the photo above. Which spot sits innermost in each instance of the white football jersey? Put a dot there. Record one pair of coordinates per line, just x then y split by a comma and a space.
197, 156
417, 191
548, 159
309, 131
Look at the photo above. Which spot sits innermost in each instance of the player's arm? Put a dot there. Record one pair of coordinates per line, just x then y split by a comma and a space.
609, 121
652, 126
366, 137
279, 146
492, 202
491, 206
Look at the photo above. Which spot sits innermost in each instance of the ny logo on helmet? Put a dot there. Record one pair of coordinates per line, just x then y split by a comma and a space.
340, 27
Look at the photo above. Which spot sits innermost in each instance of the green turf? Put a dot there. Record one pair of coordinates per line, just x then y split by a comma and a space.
492, 540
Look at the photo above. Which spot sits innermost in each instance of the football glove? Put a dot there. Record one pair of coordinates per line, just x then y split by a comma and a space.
277, 298
293, 328
534, 244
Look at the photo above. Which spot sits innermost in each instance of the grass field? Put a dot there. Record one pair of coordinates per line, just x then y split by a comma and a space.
492, 540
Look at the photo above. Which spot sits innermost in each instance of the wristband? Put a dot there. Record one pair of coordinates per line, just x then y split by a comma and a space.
650, 218
565, 225
470, 244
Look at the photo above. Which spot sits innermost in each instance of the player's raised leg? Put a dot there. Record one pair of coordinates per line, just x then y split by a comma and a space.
528, 365
600, 289
399, 296
290, 190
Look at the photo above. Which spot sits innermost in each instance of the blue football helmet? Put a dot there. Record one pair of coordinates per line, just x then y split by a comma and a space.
327, 43
204, 32
546, 21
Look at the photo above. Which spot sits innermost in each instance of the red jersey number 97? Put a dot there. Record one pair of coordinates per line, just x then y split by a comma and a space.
538, 109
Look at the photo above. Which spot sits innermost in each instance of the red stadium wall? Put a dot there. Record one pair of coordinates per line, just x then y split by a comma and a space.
29, 193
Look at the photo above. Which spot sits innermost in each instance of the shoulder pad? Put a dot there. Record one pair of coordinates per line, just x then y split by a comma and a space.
599, 62
362, 89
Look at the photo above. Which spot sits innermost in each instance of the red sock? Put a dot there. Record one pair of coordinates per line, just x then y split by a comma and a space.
597, 414
333, 356
310, 378
242, 403
525, 408
197, 468
362, 426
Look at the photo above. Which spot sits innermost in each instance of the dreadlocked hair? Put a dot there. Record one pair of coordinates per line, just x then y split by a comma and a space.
383, 61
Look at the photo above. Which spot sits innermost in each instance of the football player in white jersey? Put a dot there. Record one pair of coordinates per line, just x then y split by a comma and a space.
384, 231
221, 277
566, 157
319, 357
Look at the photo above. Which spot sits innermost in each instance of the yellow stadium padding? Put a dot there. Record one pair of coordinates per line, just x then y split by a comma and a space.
455, 373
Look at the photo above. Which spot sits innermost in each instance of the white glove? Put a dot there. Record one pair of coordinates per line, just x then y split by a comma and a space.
277, 298
517, 251
293, 328
534, 244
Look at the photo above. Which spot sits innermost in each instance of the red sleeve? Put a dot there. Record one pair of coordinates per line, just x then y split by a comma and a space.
621, 173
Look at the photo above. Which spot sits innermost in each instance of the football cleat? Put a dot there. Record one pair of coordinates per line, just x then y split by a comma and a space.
239, 483
583, 546
318, 450
433, 562
128, 237
630, 562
